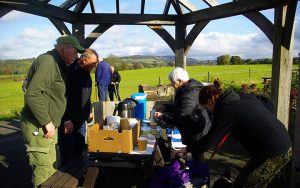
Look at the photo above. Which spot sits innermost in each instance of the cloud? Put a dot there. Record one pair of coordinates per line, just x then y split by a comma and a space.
214, 44
140, 40
29, 43
14, 16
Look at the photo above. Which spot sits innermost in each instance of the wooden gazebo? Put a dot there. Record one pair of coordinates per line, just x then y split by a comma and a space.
280, 32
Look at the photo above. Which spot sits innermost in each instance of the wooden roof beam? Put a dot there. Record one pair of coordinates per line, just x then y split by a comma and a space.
227, 10
165, 35
188, 5
127, 19
167, 7
117, 6
256, 17
60, 26
69, 3
40, 9
142, 6
81, 5
92, 6
176, 6
211, 3
289, 23
4, 10
96, 33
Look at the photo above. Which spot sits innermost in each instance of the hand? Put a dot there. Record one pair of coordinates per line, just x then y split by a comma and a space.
68, 127
157, 115
49, 130
90, 118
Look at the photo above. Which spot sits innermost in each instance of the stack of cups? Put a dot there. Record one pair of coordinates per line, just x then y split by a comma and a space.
142, 143
113, 122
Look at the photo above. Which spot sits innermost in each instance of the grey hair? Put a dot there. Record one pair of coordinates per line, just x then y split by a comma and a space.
178, 74
88, 53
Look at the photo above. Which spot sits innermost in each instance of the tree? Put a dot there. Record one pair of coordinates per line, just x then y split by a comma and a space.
248, 61
171, 63
223, 60
236, 60
138, 66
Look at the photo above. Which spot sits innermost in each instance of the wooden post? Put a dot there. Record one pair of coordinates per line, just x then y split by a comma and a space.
180, 56
78, 31
282, 66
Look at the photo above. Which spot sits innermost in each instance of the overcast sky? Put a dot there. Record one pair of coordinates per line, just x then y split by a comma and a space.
24, 36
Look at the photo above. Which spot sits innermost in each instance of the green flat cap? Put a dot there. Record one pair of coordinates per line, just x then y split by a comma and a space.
70, 40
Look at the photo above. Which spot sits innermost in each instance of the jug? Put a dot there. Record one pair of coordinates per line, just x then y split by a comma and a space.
126, 108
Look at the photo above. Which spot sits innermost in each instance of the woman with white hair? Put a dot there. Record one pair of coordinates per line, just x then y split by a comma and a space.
188, 115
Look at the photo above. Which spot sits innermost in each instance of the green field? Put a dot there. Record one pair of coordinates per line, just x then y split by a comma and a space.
11, 94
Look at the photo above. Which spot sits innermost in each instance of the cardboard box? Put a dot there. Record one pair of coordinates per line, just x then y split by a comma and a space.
100, 140
125, 125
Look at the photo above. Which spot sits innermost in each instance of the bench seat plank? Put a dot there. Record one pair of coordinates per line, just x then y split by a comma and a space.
69, 175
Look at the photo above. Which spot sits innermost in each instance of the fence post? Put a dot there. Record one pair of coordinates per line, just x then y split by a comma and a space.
249, 74
159, 81
208, 76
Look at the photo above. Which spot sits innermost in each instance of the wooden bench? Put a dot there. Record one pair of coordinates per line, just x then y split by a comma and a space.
69, 175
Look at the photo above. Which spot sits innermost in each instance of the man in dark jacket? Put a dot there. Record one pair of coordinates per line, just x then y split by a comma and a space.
113, 88
188, 116
78, 90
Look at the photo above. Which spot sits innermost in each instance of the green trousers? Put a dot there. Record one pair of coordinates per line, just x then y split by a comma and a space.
41, 152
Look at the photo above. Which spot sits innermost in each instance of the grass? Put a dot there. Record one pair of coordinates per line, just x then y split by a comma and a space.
11, 94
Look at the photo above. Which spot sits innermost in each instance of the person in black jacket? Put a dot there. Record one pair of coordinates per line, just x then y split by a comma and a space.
249, 121
188, 116
113, 88
78, 91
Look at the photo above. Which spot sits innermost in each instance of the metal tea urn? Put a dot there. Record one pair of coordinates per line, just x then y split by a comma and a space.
126, 108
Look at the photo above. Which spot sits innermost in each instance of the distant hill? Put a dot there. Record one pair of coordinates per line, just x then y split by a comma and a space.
166, 59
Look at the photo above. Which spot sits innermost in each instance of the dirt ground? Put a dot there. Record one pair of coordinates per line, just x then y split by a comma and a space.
15, 171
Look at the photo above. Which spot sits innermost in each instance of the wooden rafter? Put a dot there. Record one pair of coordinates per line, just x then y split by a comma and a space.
190, 38
81, 5
69, 3
188, 5
289, 23
60, 26
96, 33
167, 7
164, 35
211, 3
227, 10
176, 6
256, 17
262, 22
92, 6
117, 7
40, 9
4, 10
142, 6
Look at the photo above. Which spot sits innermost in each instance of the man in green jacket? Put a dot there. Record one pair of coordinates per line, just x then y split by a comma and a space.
45, 104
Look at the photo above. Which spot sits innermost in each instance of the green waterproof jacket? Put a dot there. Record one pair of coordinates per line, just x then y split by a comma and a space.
45, 99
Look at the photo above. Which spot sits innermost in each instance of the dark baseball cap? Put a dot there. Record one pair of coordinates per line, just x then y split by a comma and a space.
70, 40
